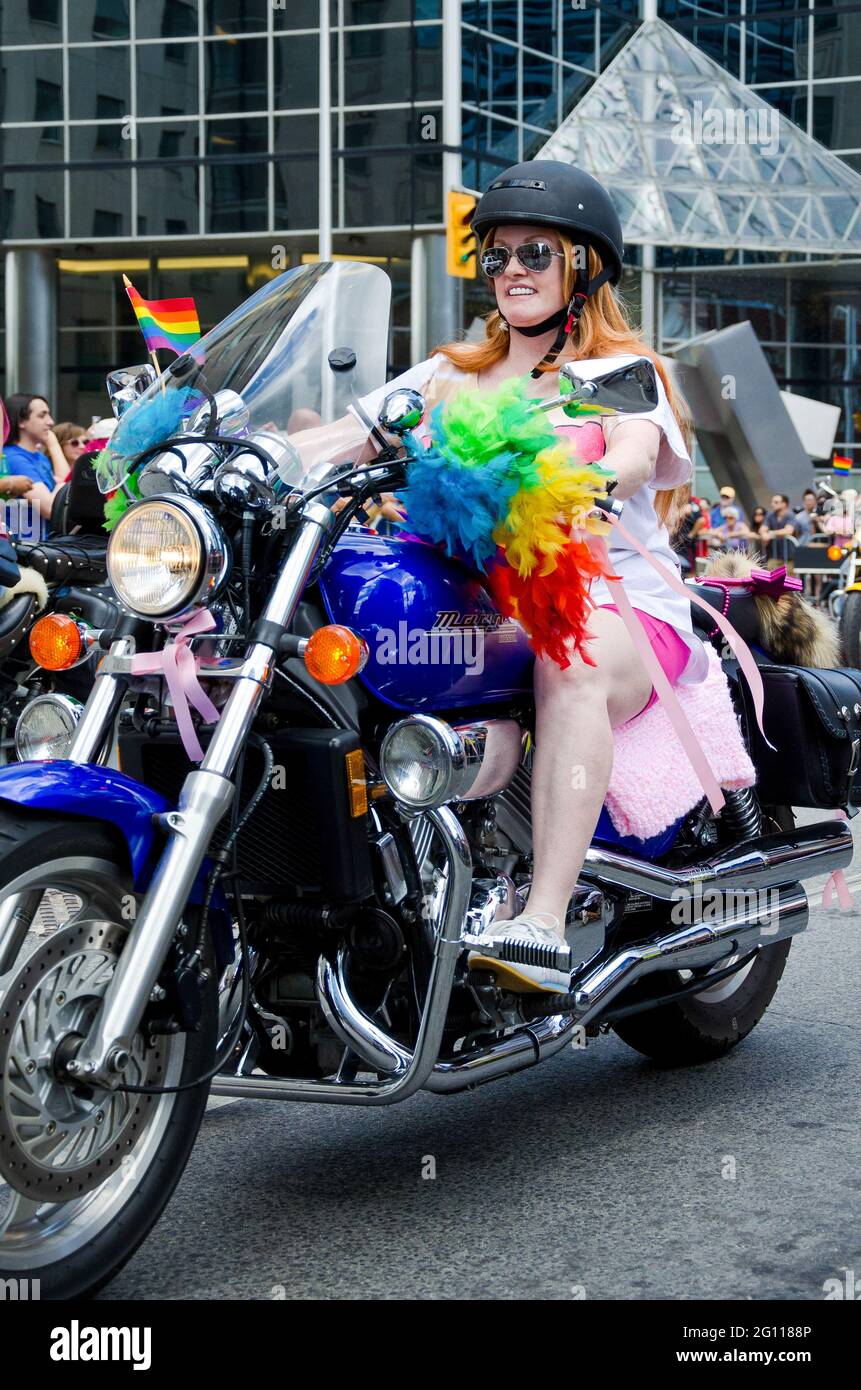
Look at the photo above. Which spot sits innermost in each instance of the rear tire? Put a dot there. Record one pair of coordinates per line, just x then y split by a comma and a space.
700, 1028
850, 629
74, 1247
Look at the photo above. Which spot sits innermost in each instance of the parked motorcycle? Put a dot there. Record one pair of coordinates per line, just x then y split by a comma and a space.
289, 917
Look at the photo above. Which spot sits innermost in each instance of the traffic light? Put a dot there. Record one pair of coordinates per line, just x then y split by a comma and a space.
460, 244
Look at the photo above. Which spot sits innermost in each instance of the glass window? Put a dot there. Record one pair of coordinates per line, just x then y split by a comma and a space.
297, 71
499, 16
169, 195
676, 308
166, 19
100, 203
167, 76
392, 189
540, 91
824, 313
835, 38
837, 114
22, 74
95, 71
379, 65
98, 19
94, 142
236, 75
300, 14
216, 292
26, 198
237, 192
30, 21
236, 16
776, 50
490, 75
296, 171
618, 20
792, 101
378, 11
578, 36
540, 19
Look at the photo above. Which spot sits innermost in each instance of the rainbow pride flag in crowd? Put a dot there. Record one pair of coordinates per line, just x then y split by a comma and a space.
841, 464
165, 323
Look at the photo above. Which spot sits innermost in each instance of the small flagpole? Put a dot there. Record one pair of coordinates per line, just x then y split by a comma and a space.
153, 356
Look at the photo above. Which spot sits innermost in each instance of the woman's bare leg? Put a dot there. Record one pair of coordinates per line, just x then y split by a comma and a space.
576, 711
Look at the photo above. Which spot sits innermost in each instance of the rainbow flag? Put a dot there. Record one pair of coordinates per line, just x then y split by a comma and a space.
165, 323
841, 464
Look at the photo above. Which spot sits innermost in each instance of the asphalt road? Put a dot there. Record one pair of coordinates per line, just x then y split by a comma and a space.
597, 1175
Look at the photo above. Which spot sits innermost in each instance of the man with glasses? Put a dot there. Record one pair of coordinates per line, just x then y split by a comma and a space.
719, 510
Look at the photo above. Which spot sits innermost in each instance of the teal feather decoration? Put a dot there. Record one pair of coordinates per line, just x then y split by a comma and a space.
483, 450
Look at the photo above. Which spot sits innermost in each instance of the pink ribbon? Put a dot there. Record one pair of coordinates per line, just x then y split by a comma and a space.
177, 664
772, 583
837, 882
740, 649
667, 695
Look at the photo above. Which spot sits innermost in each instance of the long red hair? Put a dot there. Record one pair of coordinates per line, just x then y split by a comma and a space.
603, 330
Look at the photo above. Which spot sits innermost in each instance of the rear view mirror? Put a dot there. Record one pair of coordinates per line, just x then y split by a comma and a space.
402, 411
630, 390
128, 383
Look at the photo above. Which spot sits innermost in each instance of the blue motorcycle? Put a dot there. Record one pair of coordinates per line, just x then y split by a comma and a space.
324, 739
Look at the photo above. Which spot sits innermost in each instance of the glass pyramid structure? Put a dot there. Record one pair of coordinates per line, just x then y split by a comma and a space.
694, 158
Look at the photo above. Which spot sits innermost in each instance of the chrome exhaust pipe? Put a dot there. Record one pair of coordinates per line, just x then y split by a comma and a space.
695, 946
766, 862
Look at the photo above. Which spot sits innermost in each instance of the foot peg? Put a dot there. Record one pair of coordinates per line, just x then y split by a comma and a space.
522, 952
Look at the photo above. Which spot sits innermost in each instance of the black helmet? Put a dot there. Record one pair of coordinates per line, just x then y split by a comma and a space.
544, 192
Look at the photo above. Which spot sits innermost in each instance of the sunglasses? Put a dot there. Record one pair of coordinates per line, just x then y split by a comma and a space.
78, 443
535, 255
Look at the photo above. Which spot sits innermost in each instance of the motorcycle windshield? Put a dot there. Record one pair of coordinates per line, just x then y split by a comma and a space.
272, 355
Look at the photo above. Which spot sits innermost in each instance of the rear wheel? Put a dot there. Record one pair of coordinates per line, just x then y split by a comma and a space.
84, 1173
850, 628
708, 1024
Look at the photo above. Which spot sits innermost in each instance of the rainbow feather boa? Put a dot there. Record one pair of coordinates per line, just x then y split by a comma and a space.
499, 489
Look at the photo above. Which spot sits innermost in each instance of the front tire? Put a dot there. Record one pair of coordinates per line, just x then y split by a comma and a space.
76, 1245
704, 1026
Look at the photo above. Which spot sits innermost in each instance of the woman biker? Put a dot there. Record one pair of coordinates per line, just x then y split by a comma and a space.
550, 242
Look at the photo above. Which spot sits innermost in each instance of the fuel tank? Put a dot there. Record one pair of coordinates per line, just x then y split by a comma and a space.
436, 639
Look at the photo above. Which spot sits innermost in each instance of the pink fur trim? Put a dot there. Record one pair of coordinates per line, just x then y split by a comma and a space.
652, 783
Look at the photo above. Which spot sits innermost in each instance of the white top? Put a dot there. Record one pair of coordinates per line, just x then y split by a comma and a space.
438, 379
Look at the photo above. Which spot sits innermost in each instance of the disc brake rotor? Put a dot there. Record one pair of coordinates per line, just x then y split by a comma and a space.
58, 1138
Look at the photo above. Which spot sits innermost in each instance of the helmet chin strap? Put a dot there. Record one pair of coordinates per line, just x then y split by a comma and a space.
563, 319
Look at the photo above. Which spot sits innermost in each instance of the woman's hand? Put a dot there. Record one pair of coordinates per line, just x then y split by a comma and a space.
15, 485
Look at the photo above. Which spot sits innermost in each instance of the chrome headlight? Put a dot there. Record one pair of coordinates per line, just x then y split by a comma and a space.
166, 556
426, 762
46, 727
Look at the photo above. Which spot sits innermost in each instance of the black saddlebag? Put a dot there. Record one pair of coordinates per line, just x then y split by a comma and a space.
813, 718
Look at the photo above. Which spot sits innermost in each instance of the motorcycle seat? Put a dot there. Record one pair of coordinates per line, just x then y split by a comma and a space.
742, 613
66, 559
15, 619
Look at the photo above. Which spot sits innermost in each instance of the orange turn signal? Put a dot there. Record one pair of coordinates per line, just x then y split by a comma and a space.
55, 642
335, 654
835, 552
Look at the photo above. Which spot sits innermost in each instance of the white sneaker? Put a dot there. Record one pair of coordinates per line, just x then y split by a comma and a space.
533, 929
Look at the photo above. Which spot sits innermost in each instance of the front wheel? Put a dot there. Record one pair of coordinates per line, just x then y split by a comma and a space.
706, 1025
84, 1173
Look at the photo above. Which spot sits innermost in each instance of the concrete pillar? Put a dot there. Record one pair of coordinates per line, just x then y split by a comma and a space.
648, 309
418, 301
31, 322
444, 295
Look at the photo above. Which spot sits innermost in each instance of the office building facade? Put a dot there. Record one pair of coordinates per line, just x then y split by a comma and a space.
178, 141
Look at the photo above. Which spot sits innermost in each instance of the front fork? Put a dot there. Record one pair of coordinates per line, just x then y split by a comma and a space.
206, 794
